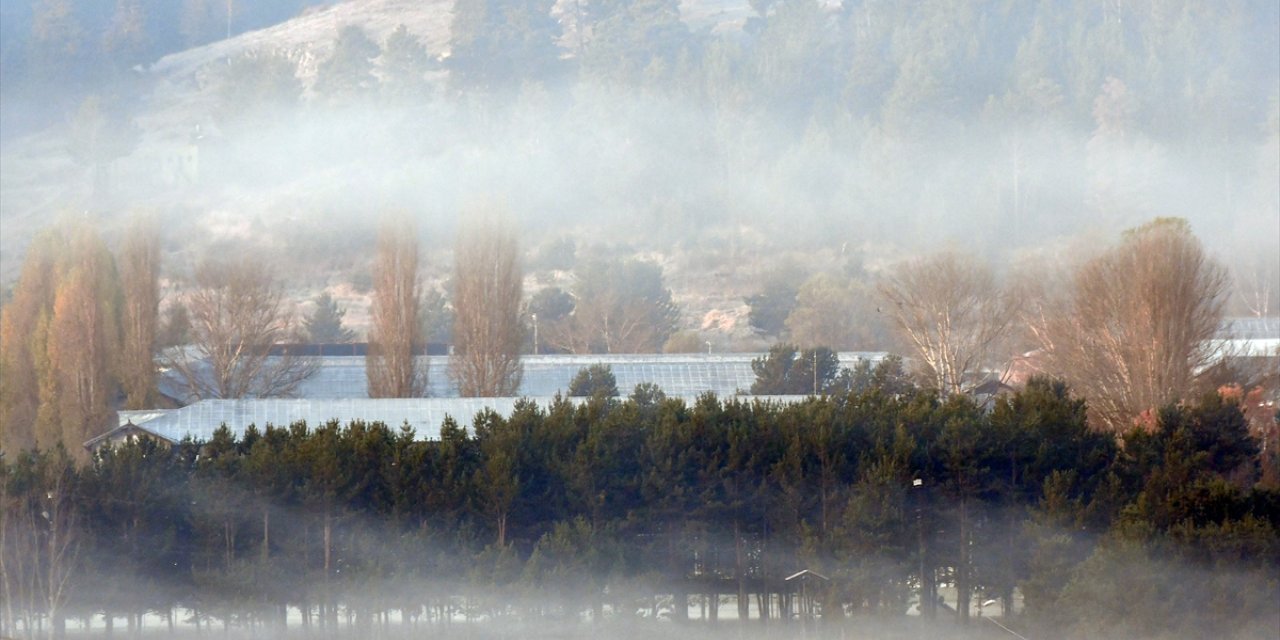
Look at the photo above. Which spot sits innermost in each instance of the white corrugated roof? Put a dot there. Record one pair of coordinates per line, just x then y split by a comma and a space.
343, 377
426, 415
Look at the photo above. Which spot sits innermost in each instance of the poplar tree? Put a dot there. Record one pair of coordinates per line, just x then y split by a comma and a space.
487, 331
396, 334
82, 344
139, 279
20, 349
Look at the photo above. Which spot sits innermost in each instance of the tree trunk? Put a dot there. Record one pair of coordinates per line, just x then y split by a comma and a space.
328, 615
226, 534
963, 586
57, 625
744, 604
266, 534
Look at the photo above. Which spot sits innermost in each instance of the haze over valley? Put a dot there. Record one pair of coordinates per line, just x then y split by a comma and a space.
633, 318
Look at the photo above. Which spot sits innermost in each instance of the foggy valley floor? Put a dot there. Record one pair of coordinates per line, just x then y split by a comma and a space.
855, 629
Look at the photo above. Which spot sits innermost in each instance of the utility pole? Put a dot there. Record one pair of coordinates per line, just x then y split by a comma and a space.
815, 371
928, 601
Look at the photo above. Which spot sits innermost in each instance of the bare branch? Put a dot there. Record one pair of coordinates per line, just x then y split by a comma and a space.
237, 314
1136, 324
953, 313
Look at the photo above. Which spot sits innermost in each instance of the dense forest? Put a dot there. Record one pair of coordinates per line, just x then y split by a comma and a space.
623, 509
871, 127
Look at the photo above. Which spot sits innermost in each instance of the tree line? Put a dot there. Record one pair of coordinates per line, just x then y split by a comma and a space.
77, 338
1131, 328
82, 334
634, 506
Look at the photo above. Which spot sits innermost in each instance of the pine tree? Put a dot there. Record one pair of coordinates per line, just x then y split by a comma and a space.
324, 325
347, 75
405, 62
499, 43
595, 380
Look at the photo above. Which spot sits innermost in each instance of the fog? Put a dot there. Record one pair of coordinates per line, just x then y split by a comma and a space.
418, 596
736, 145
719, 146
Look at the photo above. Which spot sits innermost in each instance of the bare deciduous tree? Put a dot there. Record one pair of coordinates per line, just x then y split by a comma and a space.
1136, 323
237, 314
396, 335
1257, 283
487, 330
139, 317
39, 546
954, 315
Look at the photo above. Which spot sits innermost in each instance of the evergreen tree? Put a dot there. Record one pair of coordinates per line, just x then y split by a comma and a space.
405, 62
620, 307
257, 88
347, 75
788, 371
100, 133
497, 44
324, 325
596, 380
770, 308
631, 37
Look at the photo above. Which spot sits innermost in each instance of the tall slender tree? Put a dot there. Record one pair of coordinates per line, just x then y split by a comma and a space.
75, 341
396, 335
20, 351
139, 279
488, 290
